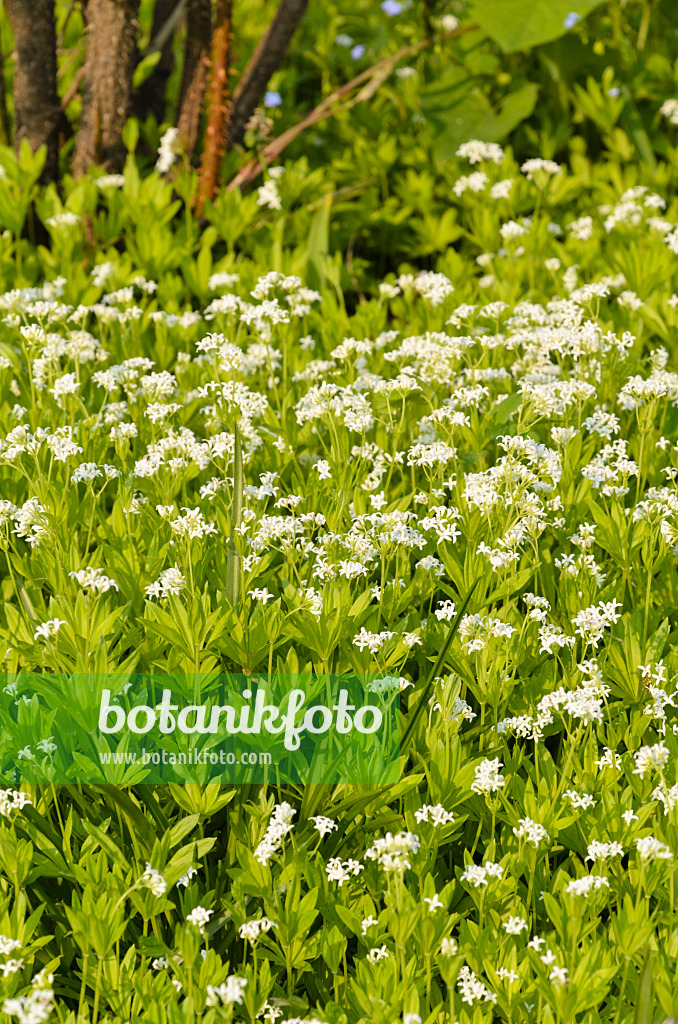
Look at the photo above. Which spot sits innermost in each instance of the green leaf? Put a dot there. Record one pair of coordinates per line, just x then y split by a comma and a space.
130, 135
233, 559
644, 1000
517, 25
456, 116
144, 68
633, 125
438, 667
318, 244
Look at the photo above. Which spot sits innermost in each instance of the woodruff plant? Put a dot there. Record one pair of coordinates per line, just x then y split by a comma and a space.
454, 494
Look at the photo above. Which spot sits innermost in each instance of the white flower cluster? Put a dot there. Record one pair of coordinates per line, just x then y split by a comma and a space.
12, 800
37, 1005
480, 874
251, 930
154, 880
278, 827
169, 582
342, 871
93, 580
230, 991
394, 852
488, 778
585, 885
435, 814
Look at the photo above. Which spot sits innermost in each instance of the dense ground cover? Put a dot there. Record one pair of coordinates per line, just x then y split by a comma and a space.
450, 431
456, 393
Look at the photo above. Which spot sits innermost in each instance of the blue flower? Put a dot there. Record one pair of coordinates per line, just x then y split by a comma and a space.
391, 7
358, 51
613, 92
272, 99
571, 19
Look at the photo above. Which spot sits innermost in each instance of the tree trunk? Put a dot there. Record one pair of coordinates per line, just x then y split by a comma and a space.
218, 108
109, 66
196, 69
266, 59
36, 104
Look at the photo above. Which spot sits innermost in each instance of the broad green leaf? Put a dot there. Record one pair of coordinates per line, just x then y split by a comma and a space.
644, 1000
517, 25
468, 114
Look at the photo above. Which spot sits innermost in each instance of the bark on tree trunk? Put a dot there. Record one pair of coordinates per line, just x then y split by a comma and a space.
109, 66
218, 109
36, 104
266, 59
196, 69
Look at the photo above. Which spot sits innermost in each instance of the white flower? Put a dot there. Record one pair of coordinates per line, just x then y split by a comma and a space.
377, 954
586, 885
475, 151
471, 988
93, 580
166, 151
434, 902
342, 871
650, 758
477, 874
532, 167
532, 831
192, 525
47, 629
12, 800
66, 385
251, 930
487, 776
669, 110
278, 827
512, 230
169, 582
105, 181
435, 813
199, 917
154, 880
445, 611
652, 849
230, 991
37, 1005
394, 852
324, 825
514, 925
63, 220
187, 876
268, 195
601, 851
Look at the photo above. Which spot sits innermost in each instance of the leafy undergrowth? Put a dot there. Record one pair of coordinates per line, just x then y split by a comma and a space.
505, 424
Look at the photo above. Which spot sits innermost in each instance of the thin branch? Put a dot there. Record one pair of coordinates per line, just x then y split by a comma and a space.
74, 86
165, 31
373, 76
